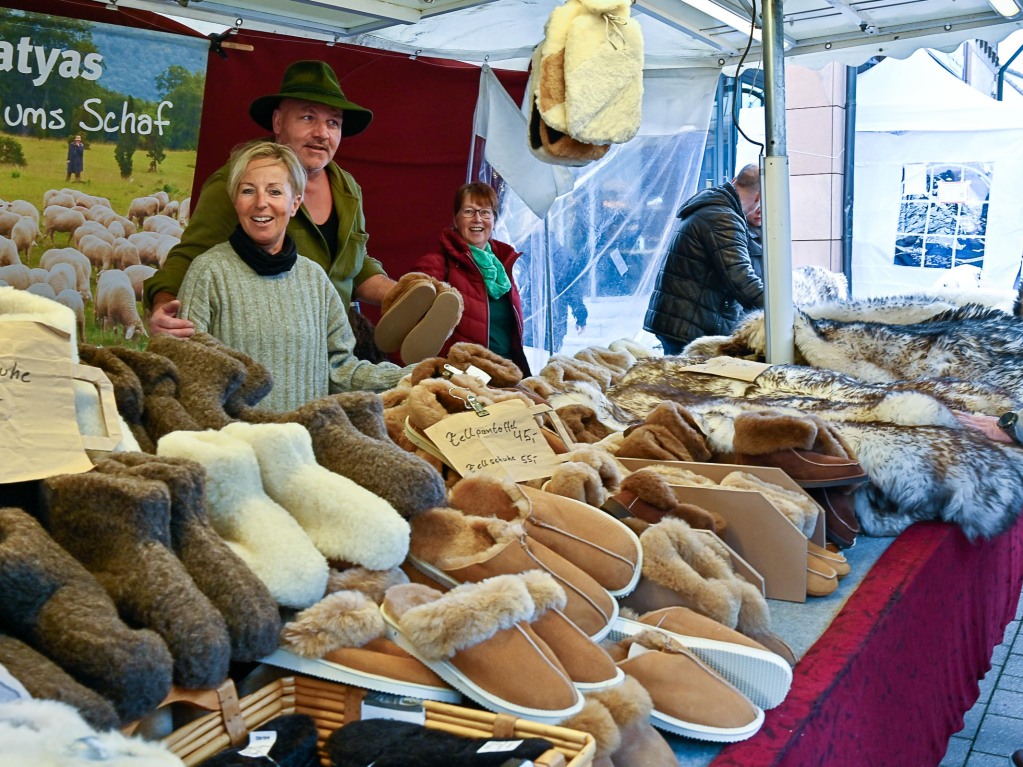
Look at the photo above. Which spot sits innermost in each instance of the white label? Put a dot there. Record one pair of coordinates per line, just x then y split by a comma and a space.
494, 746
380, 705
475, 372
618, 261
730, 367
260, 743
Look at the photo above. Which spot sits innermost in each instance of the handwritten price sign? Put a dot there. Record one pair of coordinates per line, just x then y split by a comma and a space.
507, 442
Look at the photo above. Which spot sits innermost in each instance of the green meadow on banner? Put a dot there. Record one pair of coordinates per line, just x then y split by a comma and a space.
99, 126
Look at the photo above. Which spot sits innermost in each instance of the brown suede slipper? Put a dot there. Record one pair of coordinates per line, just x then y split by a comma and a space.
428, 335
403, 307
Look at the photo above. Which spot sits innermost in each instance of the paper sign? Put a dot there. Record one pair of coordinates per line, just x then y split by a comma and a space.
260, 743
38, 425
507, 442
730, 367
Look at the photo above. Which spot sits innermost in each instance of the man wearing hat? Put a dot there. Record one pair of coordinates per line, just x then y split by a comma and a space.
310, 114
75, 159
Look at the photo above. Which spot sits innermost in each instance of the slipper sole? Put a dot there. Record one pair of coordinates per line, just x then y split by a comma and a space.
429, 334
763, 677
404, 315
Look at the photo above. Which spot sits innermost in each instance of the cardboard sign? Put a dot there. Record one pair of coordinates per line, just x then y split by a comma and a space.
730, 367
505, 442
38, 426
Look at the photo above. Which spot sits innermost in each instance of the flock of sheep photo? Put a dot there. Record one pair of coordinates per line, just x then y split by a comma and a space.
92, 255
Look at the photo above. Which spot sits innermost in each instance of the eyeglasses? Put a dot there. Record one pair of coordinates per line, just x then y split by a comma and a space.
485, 213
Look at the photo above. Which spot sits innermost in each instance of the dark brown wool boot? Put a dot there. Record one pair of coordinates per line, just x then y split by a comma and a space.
162, 413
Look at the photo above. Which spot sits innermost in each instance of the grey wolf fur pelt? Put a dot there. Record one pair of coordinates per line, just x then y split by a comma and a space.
922, 463
45, 679
971, 342
118, 527
250, 612
816, 285
52, 603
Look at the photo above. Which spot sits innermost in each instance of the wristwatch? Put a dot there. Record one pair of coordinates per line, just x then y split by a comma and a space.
1007, 423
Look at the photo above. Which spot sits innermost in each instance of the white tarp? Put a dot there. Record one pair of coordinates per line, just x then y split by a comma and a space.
936, 181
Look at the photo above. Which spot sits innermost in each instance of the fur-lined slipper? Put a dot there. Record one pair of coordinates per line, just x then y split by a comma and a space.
250, 612
52, 603
577, 481
647, 494
372, 583
768, 431
798, 508
428, 335
638, 351
43, 678
582, 423
540, 387
596, 720
431, 401
264, 535
639, 745
128, 392
162, 412
503, 372
684, 568
49, 732
207, 378
350, 438
294, 745
477, 638
390, 743
118, 527
560, 370
340, 619
258, 381
345, 521
617, 362
689, 698
453, 548
402, 308
683, 425
761, 675
591, 540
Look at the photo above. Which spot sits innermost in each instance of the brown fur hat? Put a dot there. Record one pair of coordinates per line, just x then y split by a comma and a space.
682, 427
582, 423
653, 442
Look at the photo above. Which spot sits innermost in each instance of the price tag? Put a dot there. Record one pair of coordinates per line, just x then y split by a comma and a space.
497, 746
506, 442
260, 743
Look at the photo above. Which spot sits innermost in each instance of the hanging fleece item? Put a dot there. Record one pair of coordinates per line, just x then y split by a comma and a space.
591, 71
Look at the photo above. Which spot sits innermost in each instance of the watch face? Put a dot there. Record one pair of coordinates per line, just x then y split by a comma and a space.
1007, 421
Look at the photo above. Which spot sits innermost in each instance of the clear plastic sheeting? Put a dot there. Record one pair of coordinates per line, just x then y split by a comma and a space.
588, 268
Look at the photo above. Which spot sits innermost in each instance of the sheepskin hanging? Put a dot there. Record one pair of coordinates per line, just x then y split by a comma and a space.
590, 84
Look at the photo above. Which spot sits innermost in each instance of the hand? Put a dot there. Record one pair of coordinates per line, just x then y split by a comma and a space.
580, 329
164, 319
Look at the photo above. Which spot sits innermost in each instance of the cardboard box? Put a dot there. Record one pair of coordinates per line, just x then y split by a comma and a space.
757, 531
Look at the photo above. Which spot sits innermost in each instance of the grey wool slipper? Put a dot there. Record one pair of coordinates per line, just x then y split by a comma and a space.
45, 679
118, 527
250, 612
258, 381
128, 392
208, 379
52, 603
364, 455
162, 413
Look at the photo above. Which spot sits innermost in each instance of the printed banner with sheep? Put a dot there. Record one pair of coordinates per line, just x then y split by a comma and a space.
99, 126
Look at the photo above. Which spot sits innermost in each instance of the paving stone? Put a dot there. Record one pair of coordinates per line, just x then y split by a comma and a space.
1008, 702
958, 751
998, 735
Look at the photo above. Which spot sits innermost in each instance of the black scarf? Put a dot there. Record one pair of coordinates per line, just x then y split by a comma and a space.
259, 260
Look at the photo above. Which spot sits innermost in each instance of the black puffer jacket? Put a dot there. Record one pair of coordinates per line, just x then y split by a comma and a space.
707, 280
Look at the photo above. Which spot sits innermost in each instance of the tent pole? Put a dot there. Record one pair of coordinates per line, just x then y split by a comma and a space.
774, 183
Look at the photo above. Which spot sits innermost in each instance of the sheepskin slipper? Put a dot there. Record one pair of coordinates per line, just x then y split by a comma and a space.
382, 742
257, 383
689, 698
477, 638
207, 378
434, 399
295, 745
161, 413
561, 369
349, 437
43, 678
582, 423
49, 733
617, 362
596, 720
403, 307
118, 527
684, 568
798, 508
250, 612
647, 494
610, 474
128, 392
345, 521
454, 548
638, 744
503, 372
591, 540
264, 535
53, 604
427, 337
761, 675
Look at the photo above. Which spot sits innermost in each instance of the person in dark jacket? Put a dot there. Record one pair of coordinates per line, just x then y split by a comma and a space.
708, 280
75, 159
480, 268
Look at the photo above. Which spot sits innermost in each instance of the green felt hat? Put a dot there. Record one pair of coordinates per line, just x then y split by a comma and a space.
311, 81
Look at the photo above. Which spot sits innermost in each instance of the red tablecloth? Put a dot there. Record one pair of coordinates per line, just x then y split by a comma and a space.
889, 681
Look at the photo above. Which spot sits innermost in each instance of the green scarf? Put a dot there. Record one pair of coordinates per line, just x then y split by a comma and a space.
495, 278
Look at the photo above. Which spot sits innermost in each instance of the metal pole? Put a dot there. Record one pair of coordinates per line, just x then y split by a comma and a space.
774, 184
1002, 69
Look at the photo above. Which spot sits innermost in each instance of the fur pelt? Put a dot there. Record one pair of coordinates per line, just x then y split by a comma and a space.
895, 430
49, 733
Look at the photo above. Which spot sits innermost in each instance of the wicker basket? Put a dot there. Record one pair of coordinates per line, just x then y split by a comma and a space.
332, 705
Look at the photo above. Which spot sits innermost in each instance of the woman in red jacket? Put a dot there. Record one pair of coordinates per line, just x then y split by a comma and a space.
480, 268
